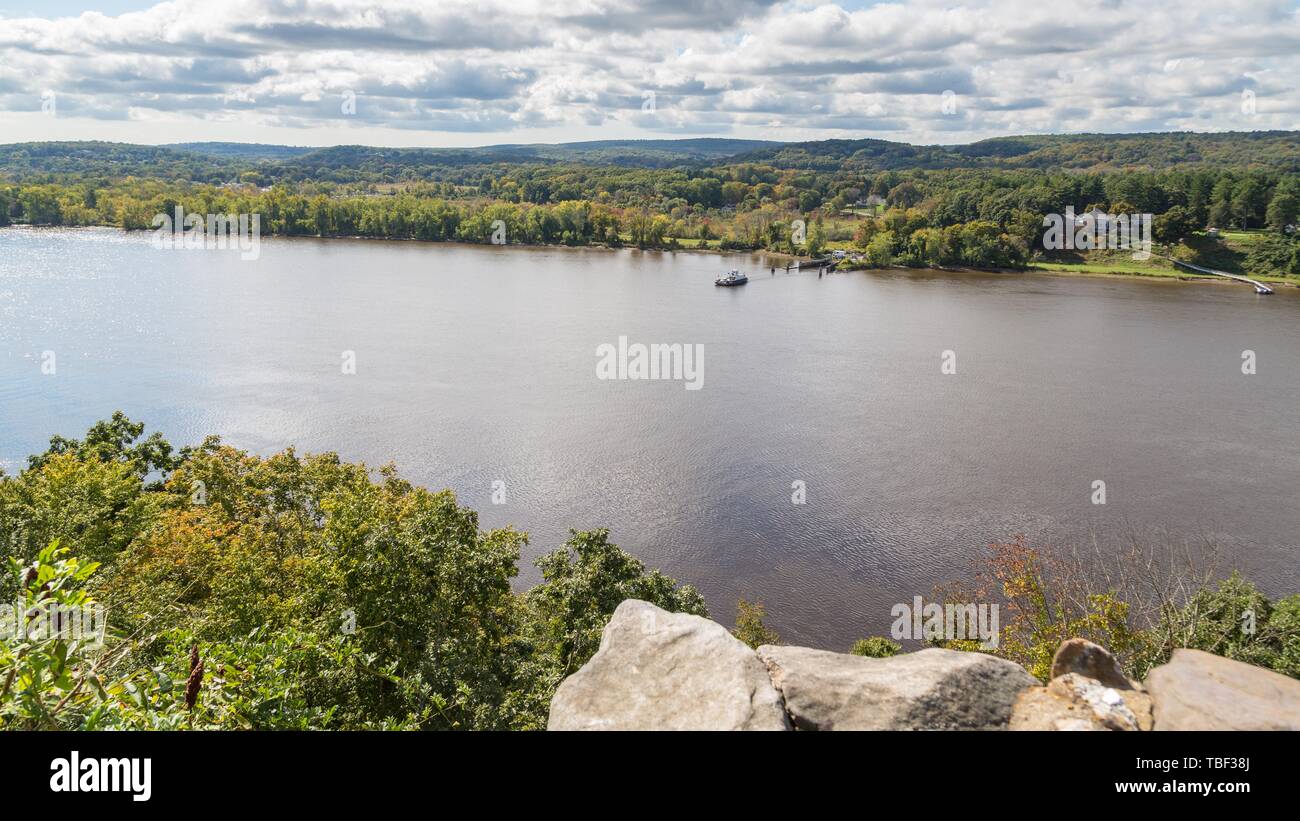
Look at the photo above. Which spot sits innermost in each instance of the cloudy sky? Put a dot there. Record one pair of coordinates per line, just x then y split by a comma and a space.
438, 72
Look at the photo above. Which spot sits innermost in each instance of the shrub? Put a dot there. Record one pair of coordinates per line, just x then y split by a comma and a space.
1233, 620
750, 627
1141, 602
876, 647
314, 594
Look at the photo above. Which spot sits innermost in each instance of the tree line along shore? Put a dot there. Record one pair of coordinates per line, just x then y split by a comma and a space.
1226, 201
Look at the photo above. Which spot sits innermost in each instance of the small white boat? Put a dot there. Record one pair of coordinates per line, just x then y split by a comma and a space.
731, 278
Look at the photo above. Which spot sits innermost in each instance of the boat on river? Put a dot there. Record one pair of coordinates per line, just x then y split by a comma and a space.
731, 278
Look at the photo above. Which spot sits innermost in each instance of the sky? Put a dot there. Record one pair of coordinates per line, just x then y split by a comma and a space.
441, 73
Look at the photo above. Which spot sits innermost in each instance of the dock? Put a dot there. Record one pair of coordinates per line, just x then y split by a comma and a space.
824, 262
1260, 288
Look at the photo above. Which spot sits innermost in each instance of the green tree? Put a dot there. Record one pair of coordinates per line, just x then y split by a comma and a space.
1274, 255
1174, 225
1284, 207
316, 594
816, 238
98, 505
585, 580
904, 195
750, 627
40, 206
1249, 200
114, 440
879, 252
1221, 213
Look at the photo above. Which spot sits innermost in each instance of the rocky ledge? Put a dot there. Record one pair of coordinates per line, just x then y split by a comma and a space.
657, 670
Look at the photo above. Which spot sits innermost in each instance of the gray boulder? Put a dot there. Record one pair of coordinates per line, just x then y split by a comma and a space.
657, 670
930, 689
1202, 691
1091, 661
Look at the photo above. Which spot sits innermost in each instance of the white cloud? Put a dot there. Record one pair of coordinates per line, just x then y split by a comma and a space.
511, 70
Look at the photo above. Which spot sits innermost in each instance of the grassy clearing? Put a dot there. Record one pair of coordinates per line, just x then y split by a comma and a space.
1246, 238
1148, 268
1226, 253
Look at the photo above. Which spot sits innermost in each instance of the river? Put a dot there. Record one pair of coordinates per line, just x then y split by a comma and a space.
477, 365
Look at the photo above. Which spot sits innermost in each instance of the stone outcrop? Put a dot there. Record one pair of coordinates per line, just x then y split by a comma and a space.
1076, 702
929, 689
1090, 661
1202, 691
657, 670
1088, 691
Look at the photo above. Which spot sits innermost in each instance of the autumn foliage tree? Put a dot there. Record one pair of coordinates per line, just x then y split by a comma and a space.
319, 593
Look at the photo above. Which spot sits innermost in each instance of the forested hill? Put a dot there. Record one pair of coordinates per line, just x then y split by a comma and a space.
1278, 150
403, 163
63, 161
228, 162
246, 151
225, 162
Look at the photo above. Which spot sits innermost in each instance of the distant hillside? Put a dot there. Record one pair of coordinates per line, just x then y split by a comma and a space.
224, 162
637, 153
1092, 152
58, 160
1278, 150
647, 152
248, 151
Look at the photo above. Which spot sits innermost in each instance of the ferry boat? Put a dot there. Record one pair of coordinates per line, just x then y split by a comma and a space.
731, 278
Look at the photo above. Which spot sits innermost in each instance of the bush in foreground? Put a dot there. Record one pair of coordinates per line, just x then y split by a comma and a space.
288, 592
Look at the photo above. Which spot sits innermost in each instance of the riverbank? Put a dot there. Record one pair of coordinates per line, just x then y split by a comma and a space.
1147, 272
1090, 271
1122, 271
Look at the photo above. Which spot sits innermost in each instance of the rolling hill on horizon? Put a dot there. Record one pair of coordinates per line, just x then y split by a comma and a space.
214, 162
630, 152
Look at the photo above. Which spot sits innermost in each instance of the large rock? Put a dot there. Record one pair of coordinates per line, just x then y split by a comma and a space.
1202, 691
1091, 661
930, 689
1076, 702
657, 670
